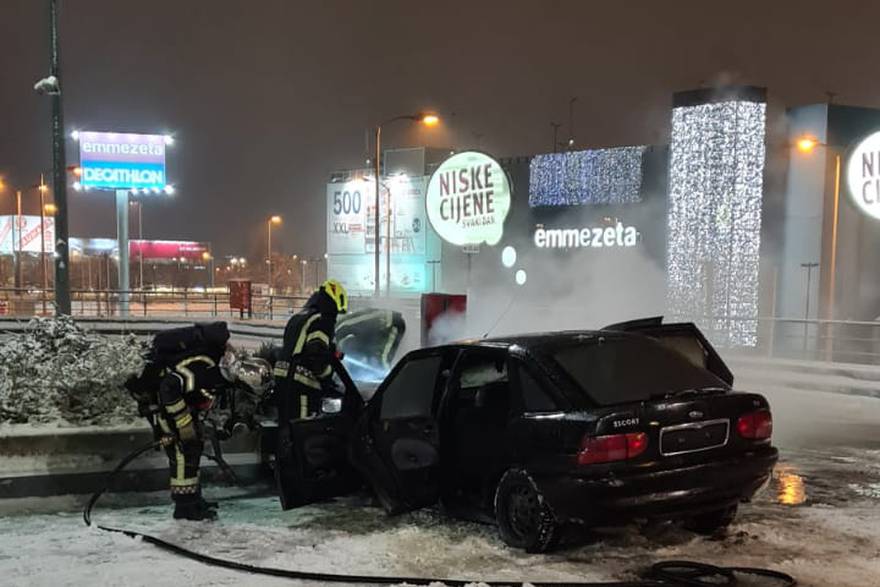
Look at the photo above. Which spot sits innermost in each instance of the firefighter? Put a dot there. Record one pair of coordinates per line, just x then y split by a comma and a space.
303, 376
186, 368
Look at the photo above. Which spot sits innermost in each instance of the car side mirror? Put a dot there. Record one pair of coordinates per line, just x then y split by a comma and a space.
331, 405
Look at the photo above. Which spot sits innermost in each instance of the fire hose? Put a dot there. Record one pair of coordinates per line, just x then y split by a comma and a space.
672, 573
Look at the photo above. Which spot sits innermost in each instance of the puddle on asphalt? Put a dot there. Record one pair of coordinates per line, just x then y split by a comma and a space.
790, 486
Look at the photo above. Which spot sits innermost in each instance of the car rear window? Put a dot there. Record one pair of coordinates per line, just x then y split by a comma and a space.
630, 369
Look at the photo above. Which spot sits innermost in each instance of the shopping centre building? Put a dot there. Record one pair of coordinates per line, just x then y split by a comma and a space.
719, 225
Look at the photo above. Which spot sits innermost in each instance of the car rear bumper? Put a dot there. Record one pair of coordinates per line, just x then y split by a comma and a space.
658, 492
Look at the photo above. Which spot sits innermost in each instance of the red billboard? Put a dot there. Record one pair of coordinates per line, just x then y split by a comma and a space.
167, 250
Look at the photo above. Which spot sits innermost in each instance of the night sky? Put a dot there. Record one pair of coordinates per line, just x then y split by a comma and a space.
266, 97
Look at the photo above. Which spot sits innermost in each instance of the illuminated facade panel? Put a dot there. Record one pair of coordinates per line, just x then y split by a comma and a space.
598, 176
714, 223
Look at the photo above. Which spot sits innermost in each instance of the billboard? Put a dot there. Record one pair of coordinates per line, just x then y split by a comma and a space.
122, 161
351, 234
153, 250
23, 233
351, 216
468, 199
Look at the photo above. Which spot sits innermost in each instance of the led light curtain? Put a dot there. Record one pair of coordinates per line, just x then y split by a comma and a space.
598, 176
714, 223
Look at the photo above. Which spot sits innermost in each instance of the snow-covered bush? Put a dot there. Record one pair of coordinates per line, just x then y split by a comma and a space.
57, 371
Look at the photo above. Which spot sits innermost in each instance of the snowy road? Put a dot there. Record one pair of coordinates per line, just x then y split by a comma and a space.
819, 520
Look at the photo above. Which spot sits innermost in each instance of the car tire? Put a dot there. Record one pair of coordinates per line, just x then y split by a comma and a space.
710, 522
524, 519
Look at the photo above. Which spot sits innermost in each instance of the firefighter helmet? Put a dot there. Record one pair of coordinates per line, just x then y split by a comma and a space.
337, 293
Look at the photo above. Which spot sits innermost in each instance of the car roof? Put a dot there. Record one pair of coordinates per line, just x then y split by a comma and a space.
538, 339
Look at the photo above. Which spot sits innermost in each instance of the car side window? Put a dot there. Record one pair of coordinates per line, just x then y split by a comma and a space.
534, 396
411, 392
483, 382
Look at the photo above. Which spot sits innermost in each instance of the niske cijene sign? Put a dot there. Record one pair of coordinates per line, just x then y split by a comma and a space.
468, 199
596, 237
863, 175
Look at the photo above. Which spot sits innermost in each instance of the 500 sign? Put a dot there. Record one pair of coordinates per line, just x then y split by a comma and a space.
347, 202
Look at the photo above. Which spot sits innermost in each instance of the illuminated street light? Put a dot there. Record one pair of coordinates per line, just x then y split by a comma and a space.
806, 144
429, 119
50, 209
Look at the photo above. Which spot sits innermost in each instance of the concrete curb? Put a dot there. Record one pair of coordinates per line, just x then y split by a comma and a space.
51, 462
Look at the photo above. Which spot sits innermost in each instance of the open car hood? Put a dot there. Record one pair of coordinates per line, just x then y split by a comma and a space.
370, 339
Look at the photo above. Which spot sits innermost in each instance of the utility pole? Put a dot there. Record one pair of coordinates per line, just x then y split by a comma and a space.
59, 170
19, 282
555, 126
42, 188
377, 218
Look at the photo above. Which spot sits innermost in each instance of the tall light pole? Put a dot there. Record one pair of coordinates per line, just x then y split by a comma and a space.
139, 207
428, 120
59, 167
807, 144
42, 189
272, 220
209, 258
302, 279
18, 280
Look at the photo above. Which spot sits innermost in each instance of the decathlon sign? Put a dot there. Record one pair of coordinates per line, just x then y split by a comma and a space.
122, 161
595, 237
468, 199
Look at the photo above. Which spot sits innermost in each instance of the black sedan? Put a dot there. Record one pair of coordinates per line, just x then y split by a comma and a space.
540, 431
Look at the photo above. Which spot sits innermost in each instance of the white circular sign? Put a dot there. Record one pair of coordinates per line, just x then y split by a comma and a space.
521, 277
468, 199
863, 175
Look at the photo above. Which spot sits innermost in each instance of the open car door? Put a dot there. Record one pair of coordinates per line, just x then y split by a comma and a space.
397, 443
683, 337
312, 461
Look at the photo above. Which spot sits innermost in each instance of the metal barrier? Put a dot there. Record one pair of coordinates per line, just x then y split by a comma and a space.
844, 341
185, 303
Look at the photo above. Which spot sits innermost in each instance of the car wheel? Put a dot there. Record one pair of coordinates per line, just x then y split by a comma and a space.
710, 522
524, 518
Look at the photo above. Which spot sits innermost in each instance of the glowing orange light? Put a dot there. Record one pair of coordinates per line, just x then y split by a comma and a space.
430, 120
50, 209
275, 220
806, 144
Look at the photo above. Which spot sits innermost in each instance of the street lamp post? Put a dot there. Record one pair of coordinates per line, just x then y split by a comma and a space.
272, 220
59, 178
207, 256
42, 188
18, 280
139, 207
806, 144
302, 279
425, 118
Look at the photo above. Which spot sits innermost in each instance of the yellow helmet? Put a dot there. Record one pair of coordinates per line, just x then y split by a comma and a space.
337, 293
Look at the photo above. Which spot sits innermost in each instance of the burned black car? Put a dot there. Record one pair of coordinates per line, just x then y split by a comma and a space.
540, 431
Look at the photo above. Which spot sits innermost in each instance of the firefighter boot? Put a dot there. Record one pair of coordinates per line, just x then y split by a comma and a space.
195, 508
209, 504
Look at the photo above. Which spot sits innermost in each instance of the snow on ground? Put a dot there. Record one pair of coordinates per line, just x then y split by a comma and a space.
818, 520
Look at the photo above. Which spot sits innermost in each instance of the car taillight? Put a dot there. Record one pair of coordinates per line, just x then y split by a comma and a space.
616, 447
755, 425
